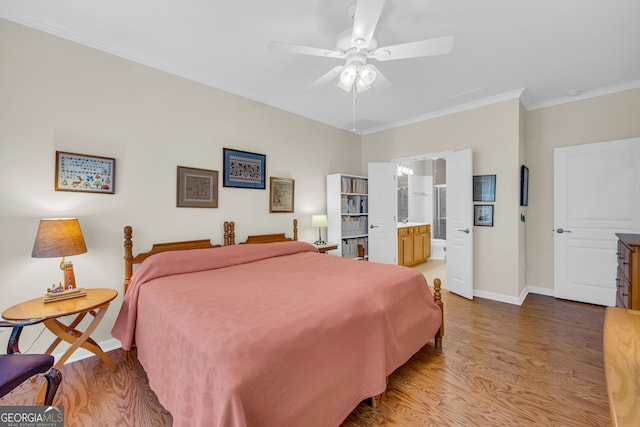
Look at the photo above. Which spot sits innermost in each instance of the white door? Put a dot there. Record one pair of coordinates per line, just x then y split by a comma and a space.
383, 226
596, 194
460, 223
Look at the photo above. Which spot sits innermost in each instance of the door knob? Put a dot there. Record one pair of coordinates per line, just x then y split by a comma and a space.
466, 230
562, 230
374, 226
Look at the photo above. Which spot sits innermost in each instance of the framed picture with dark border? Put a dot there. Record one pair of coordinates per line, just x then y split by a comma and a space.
524, 186
197, 188
483, 215
243, 169
484, 188
281, 192
84, 173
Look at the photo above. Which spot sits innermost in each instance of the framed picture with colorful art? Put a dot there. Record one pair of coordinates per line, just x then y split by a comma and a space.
243, 169
85, 174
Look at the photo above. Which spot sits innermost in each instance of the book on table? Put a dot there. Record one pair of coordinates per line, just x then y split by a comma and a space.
69, 293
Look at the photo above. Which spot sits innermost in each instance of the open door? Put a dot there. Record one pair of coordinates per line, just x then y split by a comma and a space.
460, 223
383, 227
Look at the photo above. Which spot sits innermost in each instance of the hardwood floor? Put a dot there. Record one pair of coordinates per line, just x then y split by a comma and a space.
501, 365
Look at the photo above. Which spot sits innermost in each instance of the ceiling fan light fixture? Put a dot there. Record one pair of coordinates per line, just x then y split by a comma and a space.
348, 77
367, 74
361, 86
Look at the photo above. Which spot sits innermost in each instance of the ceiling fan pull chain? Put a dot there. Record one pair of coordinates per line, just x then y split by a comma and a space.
353, 110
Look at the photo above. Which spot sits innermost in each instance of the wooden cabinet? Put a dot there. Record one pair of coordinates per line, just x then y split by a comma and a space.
628, 277
347, 215
421, 243
405, 246
414, 244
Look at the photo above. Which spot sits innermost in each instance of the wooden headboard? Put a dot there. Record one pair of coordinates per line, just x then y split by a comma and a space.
229, 239
130, 260
268, 238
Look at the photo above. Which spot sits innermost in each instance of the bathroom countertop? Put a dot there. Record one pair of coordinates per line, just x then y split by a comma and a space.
411, 224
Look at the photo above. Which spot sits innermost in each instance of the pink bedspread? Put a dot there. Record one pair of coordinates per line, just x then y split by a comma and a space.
272, 334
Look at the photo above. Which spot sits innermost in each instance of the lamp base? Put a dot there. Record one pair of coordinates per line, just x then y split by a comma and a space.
69, 277
319, 242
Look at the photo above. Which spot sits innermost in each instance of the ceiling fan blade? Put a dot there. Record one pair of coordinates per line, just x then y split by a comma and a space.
381, 82
430, 47
327, 77
304, 50
365, 21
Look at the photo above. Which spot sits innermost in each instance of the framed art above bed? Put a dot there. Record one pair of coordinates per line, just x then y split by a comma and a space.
84, 173
281, 194
243, 169
197, 188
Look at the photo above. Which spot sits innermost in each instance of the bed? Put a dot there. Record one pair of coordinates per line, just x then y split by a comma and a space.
269, 334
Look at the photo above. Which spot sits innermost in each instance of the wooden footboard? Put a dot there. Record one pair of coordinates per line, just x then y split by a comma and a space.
437, 297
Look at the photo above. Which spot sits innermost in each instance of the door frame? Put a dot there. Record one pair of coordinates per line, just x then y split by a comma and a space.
444, 155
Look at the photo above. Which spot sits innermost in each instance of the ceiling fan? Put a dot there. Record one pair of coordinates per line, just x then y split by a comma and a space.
358, 44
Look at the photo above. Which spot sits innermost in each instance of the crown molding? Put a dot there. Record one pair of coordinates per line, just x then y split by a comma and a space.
515, 94
586, 95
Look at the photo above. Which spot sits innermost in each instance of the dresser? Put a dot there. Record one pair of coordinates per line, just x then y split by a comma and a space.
628, 277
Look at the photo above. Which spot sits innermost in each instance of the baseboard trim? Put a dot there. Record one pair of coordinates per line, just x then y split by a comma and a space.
514, 300
497, 297
81, 353
541, 291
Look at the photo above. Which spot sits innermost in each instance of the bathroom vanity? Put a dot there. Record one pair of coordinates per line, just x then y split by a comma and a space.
414, 243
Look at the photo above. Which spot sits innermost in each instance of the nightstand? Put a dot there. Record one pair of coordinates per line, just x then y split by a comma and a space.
95, 303
324, 248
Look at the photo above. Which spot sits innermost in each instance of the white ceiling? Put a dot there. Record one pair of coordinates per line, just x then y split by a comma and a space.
546, 47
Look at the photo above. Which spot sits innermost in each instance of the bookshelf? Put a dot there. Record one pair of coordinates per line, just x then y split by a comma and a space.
347, 215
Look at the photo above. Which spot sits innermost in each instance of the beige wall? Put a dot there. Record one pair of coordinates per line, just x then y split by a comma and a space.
605, 118
493, 133
58, 95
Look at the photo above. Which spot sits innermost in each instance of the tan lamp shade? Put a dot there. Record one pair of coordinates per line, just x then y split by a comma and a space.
58, 237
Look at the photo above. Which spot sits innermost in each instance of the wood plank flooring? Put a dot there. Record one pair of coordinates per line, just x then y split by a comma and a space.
501, 365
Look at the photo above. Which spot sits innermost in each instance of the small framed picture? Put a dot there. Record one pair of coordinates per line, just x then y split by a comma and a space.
483, 215
243, 169
197, 188
281, 192
84, 173
484, 188
524, 186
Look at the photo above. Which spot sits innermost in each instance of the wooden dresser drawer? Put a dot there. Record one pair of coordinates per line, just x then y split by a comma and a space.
627, 277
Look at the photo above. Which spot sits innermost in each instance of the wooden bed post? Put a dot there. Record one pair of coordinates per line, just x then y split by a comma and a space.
295, 229
229, 233
128, 256
437, 297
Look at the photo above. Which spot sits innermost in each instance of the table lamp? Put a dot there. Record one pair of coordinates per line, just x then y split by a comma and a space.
60, 237
319, 221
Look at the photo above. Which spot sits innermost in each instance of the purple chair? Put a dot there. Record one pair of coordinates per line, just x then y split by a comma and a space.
15, 368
